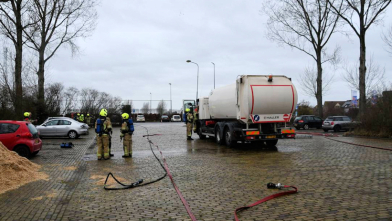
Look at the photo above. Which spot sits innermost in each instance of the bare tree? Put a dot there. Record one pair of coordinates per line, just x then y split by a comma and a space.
374, 77
69, 99
387, 38
308, 81
60, 22
360, 15
15, 17
53, 98
161, 108
145, 108
306, 25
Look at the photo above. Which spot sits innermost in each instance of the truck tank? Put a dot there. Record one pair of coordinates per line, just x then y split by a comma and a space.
255, 99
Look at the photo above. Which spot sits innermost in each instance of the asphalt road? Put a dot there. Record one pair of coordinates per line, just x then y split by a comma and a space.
336, 181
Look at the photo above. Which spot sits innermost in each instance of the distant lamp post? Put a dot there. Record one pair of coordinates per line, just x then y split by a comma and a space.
170, 100
150, 101
197, 87
214, 73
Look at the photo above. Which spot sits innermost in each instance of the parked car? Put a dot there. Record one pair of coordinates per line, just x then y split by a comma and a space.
140, 118
307, 121
21, 137
62, 127
176, 118
338, 123
165, 118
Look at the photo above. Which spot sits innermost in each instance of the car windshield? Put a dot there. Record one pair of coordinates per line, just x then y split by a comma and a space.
176, 117
298, 118
164, 116
140, 116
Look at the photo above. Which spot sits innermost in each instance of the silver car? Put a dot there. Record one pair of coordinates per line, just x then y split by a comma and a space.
62, 127
337, 123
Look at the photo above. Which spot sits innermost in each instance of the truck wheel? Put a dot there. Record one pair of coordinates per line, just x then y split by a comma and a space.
271, 143
337, 128
228, 137
218, 138
201, 136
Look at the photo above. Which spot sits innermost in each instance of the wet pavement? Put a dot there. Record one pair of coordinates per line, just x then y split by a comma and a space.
336, 181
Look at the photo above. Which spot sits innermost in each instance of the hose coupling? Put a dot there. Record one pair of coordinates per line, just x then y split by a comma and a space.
275, 186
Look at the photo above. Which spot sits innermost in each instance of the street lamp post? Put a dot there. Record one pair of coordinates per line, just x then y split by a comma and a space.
197, 87
150, 101
170, 100
214, 73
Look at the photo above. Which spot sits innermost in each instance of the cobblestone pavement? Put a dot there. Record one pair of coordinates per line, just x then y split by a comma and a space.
336, 181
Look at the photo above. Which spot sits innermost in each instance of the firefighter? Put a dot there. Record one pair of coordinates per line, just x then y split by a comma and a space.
88, 119
103, 127
27, 117
81, 118
126, 134
195, 117
78, 117
189, 123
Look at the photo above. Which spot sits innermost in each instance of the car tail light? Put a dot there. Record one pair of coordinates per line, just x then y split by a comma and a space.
27, 135
250, 137
300, 121
332, 123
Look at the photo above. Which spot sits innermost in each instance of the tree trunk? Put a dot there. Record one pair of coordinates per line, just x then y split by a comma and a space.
319, 93
41, 111
362, 73
18, 63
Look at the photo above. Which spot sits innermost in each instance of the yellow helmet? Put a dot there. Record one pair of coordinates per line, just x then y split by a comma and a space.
26, 114
88, 114
78, 114
187, 110
125, 116
103, 112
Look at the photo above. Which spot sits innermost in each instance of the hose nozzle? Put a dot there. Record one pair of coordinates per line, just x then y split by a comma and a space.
275, 186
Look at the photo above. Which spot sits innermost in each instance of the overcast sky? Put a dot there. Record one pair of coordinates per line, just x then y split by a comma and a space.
140, 46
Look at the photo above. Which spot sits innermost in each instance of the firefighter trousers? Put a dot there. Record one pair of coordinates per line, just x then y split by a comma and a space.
189, 129
103, 146
127, 144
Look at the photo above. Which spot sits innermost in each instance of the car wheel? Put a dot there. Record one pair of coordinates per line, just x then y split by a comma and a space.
306, 127
72, 134
229, 138
325, 130
337, 128
218, 138
23, 151
34, 153
271, 143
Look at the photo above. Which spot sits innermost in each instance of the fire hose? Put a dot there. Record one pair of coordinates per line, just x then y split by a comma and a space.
276, 195
165, 167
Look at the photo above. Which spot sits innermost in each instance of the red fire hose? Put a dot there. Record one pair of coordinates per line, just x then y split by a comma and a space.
276, 195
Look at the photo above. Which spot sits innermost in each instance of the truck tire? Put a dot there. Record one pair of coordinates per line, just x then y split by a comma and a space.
201, 136
271, 143
218, 138
228, 134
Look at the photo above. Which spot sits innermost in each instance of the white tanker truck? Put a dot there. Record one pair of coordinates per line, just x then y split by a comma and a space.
251, 110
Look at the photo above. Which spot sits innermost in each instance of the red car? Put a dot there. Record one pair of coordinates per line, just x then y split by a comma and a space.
21, 137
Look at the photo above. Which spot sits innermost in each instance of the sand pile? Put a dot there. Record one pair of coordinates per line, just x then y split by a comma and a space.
16, 171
